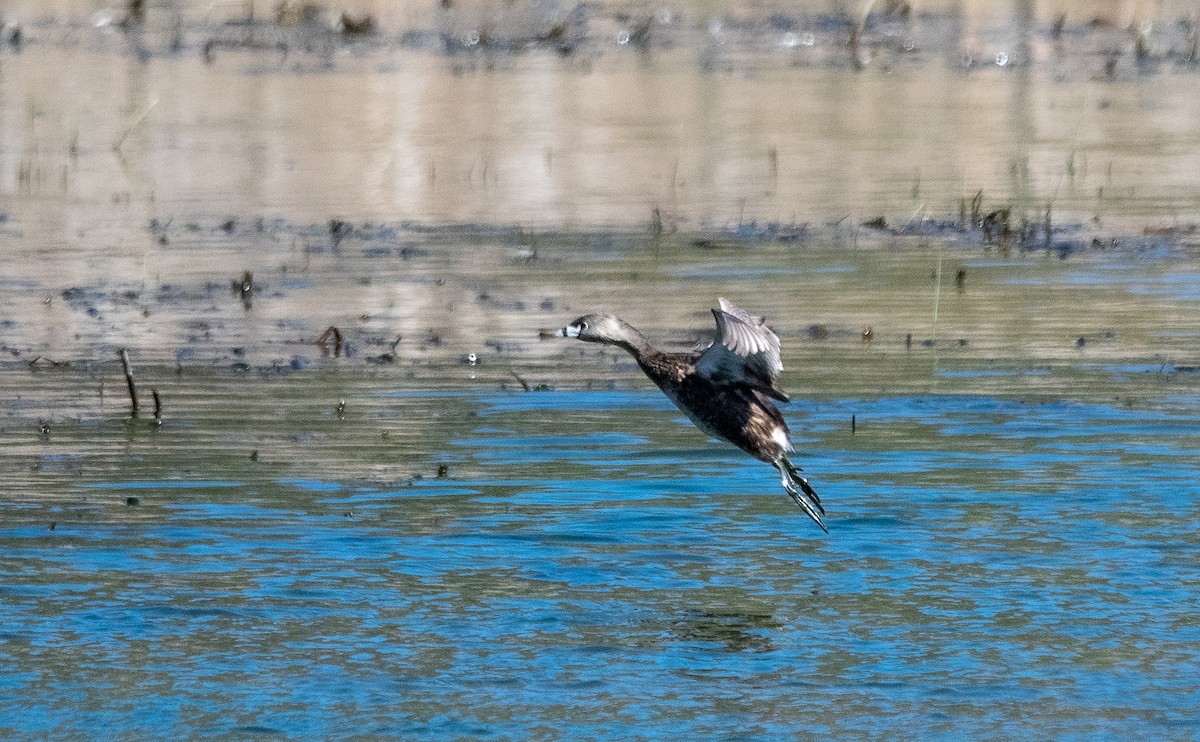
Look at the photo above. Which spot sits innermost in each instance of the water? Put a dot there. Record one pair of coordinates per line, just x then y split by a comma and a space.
717, 119
589, 567
380, 539
417, 547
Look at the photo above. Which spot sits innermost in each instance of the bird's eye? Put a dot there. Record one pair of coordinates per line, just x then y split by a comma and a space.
583, 326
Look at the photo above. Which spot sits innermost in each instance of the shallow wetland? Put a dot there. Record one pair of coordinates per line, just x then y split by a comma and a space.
379, 499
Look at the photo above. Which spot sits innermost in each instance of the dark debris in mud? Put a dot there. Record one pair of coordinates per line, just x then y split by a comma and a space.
991, 227
1061, 239
207, 335
301, 35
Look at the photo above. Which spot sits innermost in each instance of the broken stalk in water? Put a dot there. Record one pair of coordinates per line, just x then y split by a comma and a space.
133, 398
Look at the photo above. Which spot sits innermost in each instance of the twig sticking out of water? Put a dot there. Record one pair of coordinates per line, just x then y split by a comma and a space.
116, 146
858, 24
244, 289
44, 361
338, 230
524, 384
334, 334
1060, 24
133, 398
13, 35
937, 299
157, 407
1141, 43
997, 225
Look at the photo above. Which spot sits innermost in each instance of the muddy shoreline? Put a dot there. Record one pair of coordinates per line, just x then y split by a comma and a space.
352, 257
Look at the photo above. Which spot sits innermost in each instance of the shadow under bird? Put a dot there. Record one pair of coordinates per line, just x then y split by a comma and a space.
726, 389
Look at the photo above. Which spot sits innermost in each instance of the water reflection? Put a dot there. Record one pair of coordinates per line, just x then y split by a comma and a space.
701, 134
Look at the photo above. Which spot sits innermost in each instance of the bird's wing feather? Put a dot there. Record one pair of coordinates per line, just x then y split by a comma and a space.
746, 351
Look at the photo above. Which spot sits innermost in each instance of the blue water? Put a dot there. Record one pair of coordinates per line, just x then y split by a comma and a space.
996, 569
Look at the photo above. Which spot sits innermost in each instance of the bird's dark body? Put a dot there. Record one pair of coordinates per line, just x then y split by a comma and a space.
741, 415
726, 389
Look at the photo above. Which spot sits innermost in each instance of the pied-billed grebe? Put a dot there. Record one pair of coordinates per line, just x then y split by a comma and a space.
726, 389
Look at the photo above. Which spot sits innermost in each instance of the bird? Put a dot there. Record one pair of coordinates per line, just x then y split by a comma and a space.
726, 389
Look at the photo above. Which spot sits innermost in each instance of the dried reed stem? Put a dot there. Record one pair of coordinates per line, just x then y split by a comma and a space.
133, 397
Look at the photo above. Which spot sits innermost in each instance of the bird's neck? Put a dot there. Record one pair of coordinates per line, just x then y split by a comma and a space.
636, 343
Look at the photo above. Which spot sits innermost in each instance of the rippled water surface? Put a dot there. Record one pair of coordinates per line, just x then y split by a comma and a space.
589, 567
406, 545
379, 500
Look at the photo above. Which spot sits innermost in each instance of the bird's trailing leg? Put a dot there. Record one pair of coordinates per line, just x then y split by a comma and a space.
800, 490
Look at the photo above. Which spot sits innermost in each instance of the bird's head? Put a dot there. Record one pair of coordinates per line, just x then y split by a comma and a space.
597, 328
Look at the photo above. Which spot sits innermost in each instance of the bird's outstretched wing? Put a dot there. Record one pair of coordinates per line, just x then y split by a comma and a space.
746, 351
